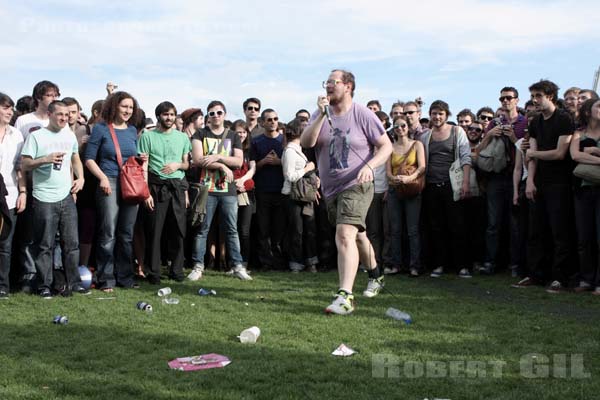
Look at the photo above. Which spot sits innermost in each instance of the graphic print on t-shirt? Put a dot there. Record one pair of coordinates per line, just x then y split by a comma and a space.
214, 179
339, 147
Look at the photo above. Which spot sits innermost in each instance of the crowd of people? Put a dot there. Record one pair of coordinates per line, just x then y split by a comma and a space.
406, 192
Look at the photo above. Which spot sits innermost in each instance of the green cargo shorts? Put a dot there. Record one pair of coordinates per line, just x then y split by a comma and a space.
350, 206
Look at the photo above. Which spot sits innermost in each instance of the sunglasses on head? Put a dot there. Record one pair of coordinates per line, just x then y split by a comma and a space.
251, 108
508, 98
213, 113
486, 117
478, 130
273, 119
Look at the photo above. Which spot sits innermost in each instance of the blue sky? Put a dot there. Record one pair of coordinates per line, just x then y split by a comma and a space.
280, 51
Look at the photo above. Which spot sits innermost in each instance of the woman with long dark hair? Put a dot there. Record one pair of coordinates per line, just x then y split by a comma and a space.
245, 189
584, 150
116, 218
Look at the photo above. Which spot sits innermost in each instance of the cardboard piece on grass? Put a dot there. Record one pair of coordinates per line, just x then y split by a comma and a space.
195, 363
343, 351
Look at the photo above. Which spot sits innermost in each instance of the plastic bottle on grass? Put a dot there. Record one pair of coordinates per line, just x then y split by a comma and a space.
170, 300
398, 315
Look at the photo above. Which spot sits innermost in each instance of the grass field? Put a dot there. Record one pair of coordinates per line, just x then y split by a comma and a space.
110, 350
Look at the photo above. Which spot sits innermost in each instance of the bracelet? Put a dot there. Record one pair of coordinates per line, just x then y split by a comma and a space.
22, 191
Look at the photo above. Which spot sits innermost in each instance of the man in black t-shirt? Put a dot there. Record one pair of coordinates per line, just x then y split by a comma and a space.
549, 189
217, 150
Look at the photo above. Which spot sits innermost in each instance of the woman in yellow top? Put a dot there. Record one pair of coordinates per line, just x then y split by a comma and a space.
405, 210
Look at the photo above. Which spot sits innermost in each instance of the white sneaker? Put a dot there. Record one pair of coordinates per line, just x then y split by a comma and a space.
342, 305
241, 272
196, 272
436, 273
374, 287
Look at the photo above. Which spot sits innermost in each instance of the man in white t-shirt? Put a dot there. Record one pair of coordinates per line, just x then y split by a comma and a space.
50, 153
44, 93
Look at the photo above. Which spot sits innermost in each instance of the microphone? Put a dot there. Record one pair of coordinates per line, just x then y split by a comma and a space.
328, 114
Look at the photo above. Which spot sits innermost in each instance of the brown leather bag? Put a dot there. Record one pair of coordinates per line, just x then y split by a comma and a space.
134, 188
413, 188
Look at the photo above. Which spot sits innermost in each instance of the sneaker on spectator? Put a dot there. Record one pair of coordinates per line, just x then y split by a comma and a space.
3, 295
240, 272
45, 294
523, 283
554, 288
374, 286
583, 287
196, 272
296, 268
81, 290
464, 273
391, 270
413, 273
436, 273
343, 304
596, 291
487, 269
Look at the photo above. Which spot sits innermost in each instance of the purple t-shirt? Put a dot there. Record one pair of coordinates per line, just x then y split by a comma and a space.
341, 153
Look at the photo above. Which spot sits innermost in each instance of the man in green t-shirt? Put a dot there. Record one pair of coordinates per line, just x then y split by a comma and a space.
168, 151
51, 154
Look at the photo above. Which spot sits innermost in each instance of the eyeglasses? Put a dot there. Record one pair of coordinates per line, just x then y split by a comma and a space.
331, 82
274, 119
507, 98
486, 117
213, 113
478, 130
400, 126
250, 108
409, 112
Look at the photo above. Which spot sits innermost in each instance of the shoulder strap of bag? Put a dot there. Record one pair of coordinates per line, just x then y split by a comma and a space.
300, 154
404, 161
116, 142
455, 142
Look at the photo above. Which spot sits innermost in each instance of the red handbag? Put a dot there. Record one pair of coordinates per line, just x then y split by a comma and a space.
134, 188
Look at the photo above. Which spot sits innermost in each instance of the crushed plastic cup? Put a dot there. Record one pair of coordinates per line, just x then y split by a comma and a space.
170, 300
164, 292
250, 335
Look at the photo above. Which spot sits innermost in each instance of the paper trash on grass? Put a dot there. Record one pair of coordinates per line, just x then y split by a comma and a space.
343, 351
195, 363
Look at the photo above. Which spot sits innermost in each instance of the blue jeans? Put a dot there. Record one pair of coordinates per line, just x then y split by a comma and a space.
50, 217
404, 212
6, 250
228, 209
114, 254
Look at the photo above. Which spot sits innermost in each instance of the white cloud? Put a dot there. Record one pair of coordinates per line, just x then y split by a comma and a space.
277, 50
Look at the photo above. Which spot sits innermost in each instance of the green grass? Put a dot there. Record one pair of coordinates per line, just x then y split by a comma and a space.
110, 350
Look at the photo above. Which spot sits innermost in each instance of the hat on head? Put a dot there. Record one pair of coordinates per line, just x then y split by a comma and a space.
187, 114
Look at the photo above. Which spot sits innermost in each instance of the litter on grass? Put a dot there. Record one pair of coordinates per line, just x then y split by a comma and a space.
195, 363
343, 351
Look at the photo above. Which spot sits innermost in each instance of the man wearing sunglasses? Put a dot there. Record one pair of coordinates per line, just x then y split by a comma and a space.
485, 115
509, 129
412, 112
217, 150
344, 148
266, 150
252, 111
